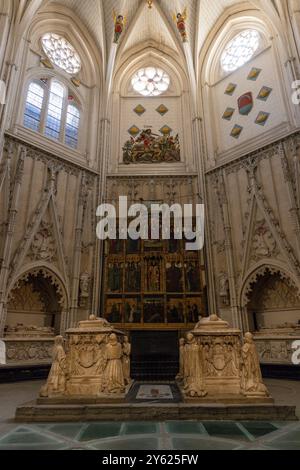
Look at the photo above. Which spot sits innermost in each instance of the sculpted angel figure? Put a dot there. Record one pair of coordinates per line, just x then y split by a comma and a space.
180, 19
120, 23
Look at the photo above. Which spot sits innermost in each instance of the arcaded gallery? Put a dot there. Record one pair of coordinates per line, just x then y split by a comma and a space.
149, 225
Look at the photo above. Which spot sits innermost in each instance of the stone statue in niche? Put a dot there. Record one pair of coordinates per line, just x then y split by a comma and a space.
113, 380
252, 382
193, 368
151, 148
126, 360
224, 291
56, 383
84, 289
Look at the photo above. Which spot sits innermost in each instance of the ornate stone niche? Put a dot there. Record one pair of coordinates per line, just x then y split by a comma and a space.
94, 363
274, 315
216, 366
33, 319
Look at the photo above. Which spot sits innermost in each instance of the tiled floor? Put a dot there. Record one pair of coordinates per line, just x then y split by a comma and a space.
187, 435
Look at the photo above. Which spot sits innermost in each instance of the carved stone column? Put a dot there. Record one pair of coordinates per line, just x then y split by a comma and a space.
11, 224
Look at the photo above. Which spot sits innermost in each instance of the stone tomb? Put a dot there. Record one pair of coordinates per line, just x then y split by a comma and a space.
89, 380
94, 365
216, 367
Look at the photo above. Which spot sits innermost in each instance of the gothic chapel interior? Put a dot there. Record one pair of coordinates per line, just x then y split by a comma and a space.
108, 98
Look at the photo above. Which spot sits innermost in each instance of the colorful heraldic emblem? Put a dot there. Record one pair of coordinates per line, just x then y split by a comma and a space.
229, 112
264, 93
134, 131
254, 74
245, 103
162, 110
230, 89
148, 147
236, 131
139, 110
262, 118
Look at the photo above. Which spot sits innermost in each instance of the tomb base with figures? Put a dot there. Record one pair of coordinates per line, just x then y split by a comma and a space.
219, 379
92, 364
216, 366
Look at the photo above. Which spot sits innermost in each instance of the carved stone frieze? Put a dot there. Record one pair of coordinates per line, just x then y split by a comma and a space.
28, 350
274, 350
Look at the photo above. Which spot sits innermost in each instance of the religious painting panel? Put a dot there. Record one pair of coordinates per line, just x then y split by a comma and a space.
175, 310
192, 275
193, 309
132, 310
114, 310
132, 275
174, 274
154, 310
115, 273
153, 275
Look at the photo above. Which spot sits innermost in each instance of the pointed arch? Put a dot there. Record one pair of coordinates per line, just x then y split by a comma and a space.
260, 269
131, 30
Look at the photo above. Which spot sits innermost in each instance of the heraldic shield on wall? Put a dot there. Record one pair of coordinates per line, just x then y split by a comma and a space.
148, 147
245, 103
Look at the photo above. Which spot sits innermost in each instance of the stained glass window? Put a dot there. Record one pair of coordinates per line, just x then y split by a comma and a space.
61, 53
72, 126
51, 110
240, 50
33, 106
150, 81
54, 112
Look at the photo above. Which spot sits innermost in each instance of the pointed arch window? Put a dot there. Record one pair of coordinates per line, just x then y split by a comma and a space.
34, 106
72, 126
51, 110
55, 110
